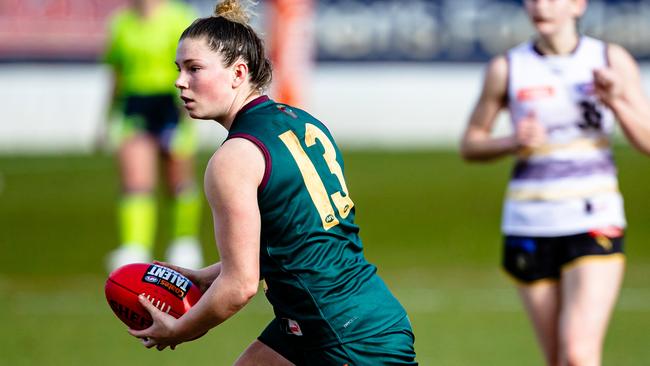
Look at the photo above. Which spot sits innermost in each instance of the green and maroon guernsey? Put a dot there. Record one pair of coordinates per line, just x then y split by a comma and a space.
320, 285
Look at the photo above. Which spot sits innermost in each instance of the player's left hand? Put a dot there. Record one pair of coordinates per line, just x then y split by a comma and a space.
161, 333
608, 85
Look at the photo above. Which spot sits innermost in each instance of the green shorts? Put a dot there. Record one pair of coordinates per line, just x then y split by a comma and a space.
393, 346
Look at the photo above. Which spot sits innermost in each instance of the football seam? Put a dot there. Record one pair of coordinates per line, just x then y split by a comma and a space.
177, 315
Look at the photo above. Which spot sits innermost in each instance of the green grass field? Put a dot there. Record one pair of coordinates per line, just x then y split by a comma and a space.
429, 221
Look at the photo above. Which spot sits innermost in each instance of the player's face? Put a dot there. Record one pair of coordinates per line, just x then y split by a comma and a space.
550, 17
206, 86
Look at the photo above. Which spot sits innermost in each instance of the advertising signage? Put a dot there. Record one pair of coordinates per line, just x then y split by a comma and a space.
458, 30
54, 30
344, 30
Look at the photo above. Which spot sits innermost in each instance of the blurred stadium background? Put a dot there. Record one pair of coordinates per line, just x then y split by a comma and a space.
394, 80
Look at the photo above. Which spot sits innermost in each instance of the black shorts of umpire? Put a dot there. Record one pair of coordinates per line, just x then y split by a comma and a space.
154, 114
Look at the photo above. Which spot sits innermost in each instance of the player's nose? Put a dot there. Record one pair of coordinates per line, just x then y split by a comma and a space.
181, 81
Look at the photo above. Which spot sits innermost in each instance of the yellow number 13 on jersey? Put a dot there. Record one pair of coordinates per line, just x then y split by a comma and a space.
314, 183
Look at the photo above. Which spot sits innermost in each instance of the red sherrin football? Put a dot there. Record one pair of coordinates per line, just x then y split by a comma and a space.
167, 289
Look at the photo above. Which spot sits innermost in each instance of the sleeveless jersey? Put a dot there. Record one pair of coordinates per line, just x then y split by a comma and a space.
320, 285
569, 185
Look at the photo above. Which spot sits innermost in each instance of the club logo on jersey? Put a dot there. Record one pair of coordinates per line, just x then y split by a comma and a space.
585, 88
535, 92
172, 281
286, 110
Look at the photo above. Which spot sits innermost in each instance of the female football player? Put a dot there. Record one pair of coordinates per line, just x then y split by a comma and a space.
563, 215
282, 213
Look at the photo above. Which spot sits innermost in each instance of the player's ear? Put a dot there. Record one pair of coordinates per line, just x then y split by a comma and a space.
579, 7
240, 73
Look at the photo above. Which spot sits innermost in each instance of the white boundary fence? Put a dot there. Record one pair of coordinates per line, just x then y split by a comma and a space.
61, 108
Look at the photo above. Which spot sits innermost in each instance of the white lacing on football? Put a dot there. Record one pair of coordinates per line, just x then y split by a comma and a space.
158, 305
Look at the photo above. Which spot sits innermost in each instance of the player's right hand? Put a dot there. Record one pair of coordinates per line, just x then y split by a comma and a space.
530, 134
162, 333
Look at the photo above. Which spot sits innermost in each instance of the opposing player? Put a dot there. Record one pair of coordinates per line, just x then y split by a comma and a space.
142, 41
283, 213
563, 216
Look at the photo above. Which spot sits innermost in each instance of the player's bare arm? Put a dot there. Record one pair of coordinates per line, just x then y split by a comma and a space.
231, 181
477, 142
619, 87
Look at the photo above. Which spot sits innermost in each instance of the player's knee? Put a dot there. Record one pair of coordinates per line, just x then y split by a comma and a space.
260, 354
580, 353
180, 185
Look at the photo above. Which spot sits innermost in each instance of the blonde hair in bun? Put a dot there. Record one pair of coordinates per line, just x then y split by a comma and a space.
228, 33
234, 10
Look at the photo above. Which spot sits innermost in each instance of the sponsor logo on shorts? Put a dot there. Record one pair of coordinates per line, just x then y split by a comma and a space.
602, 236
350, 321
604, 242
522, 262
172, 281
292, 326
